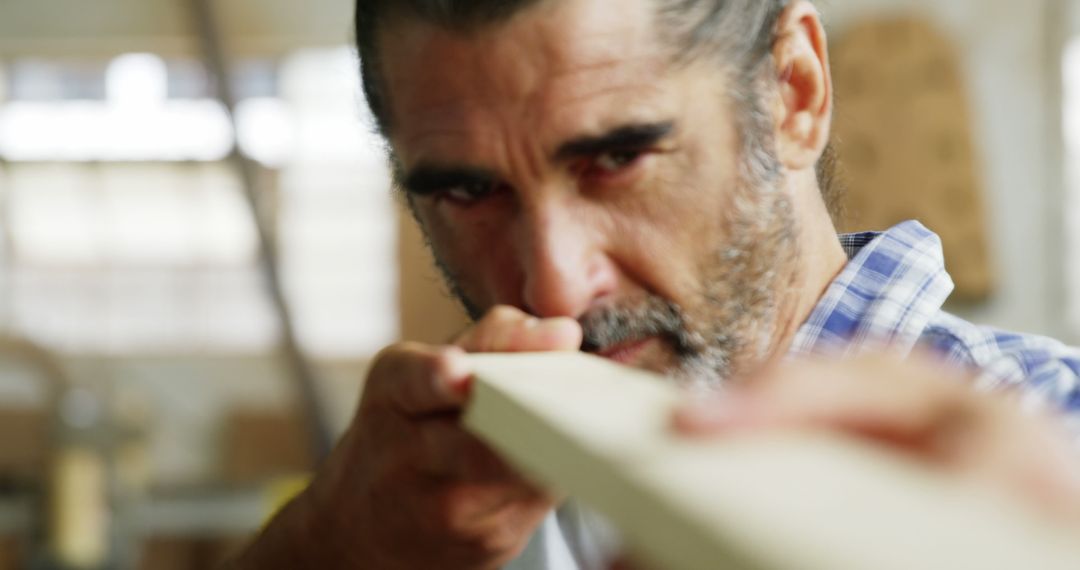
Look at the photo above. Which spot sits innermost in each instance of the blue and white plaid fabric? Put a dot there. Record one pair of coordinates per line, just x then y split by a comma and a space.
891, 294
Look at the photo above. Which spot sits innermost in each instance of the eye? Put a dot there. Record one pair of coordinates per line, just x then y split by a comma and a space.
470, 193
615, 161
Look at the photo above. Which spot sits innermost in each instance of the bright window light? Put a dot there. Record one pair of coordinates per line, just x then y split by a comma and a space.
136, 122
78, 215
86, 131
323, 87
137, 81
129, 232
266, 130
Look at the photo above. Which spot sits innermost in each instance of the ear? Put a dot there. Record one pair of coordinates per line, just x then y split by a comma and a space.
804, 108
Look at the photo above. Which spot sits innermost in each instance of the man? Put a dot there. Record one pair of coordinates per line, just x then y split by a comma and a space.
639, 179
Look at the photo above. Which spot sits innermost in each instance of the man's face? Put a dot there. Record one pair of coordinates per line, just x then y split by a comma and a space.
561, 163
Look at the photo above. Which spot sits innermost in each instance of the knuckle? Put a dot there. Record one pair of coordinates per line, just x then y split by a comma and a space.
503, 314
487, 539
501, 539
497, 329
451, 513
398, 371
407, 356
394, 356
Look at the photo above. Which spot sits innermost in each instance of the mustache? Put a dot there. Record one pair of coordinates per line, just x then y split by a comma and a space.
607, 327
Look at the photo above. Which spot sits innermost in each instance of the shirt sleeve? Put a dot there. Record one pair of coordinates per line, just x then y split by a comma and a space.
1046, 372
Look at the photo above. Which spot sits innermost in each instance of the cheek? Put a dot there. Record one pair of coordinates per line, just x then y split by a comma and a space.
653, 253
478, 252
673, 222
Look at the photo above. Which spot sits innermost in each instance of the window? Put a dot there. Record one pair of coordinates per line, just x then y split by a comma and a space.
129, 232
47, 80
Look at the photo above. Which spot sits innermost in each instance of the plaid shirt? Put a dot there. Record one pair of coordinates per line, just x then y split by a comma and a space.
891, 293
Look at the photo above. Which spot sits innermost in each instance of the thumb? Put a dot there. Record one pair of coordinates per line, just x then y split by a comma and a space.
505, 329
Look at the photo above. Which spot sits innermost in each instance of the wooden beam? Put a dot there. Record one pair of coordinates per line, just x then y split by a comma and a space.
806, 501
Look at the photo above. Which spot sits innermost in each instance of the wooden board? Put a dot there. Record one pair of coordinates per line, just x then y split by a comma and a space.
807, 501
904, 136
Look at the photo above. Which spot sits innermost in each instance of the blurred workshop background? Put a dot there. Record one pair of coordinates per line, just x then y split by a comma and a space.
161, 161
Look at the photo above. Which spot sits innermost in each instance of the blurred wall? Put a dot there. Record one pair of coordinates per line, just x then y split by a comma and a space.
189, 400
428, 312
1072, 18
1011, 53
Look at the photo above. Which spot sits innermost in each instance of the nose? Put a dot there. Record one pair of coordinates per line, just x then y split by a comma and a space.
566, 264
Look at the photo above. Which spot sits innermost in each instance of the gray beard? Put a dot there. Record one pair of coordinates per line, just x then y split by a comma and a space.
736, 319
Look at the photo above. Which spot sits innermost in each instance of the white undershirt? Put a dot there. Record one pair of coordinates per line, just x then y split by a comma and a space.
572, 538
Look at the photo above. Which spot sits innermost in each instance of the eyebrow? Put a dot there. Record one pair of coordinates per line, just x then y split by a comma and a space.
620, 138
427, 179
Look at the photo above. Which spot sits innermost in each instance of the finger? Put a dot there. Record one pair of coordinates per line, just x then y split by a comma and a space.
488, 331
878, 397
1034, 457
472, 504
507, 329
452, 453
713, 414
417, 380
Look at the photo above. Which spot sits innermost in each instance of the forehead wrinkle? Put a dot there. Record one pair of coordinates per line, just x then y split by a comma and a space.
599, 64
583, 113
459, 68
591, 107
573, 86
451, 128
452, 147
604, 50
581, 49
557, 72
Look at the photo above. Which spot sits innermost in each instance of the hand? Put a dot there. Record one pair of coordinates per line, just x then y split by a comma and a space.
406, 486
915, 407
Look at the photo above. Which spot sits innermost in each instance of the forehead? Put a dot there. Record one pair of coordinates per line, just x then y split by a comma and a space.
560, 65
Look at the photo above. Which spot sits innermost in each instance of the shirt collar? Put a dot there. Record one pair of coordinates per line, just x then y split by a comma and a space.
894, 283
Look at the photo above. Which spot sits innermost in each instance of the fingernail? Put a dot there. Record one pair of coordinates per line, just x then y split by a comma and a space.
561, 324
455, 369
548, 323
